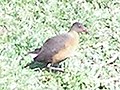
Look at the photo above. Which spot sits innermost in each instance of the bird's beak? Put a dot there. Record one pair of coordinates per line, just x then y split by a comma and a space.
85, 30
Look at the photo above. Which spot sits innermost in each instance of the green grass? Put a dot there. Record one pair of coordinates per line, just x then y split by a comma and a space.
26, 24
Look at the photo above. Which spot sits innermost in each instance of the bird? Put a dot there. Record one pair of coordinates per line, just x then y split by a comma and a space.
57, 48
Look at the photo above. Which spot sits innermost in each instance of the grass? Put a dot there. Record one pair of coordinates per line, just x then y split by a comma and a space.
26, 24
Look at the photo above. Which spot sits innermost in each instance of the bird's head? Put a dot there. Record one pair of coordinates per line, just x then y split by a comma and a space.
78, 27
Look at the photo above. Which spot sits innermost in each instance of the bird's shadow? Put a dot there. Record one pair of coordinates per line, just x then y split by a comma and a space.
43, 66
34, 65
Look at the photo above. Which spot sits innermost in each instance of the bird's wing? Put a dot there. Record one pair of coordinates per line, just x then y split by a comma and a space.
51, 47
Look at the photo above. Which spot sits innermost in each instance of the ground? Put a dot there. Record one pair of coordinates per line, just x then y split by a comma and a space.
26, 24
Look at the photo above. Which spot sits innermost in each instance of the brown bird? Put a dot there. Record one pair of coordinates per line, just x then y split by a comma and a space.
58, 48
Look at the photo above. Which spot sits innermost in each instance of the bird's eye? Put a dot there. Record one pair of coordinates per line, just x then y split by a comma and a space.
79, 26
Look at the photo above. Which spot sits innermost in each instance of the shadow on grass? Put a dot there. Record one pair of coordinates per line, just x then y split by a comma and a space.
34, 65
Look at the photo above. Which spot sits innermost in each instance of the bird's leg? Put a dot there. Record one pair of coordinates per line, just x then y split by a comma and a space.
51, 67
56, 65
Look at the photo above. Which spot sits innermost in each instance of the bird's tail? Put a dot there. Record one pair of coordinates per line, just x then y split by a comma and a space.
34, 53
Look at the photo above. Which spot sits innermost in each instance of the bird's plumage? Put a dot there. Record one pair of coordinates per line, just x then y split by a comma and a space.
51, 47
59, 47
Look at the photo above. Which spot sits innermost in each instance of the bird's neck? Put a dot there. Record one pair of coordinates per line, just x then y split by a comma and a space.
73, 34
